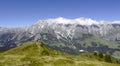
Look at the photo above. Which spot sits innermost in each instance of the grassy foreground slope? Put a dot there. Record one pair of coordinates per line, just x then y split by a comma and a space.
36, 54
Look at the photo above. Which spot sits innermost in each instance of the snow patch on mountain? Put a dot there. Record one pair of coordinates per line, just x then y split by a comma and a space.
115, 22
81, 21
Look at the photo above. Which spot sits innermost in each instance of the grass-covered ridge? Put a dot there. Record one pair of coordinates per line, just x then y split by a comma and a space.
98, 41
31, 49
37, 54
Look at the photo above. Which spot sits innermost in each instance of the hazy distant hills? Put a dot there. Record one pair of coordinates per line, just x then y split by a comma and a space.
68, 35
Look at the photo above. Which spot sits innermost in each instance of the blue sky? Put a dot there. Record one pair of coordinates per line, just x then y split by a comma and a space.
18, 13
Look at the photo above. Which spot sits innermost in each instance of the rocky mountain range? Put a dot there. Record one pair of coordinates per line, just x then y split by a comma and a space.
68, 35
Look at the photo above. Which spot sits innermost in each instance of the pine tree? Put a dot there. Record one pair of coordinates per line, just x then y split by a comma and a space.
95, 53
100, 55
108, 58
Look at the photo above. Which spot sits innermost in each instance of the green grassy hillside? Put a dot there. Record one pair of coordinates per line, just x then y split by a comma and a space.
99, 41
36, 54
